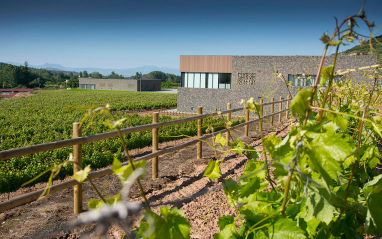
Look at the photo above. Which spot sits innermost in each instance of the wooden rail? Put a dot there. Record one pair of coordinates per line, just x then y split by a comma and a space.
77, 141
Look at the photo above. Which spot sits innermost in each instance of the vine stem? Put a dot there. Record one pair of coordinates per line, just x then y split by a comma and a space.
329, 85
223, 180
231, 199
289, 180
133, 167
356, 162
321, 65
260, 114
91, 182
251, 229
131, 163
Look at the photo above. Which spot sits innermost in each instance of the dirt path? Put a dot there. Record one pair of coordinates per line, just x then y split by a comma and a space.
181, 184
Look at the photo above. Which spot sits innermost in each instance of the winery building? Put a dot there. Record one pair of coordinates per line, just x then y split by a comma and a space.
214, 81
119, 84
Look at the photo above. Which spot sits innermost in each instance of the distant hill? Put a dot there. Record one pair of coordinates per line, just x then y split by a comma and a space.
125, 72
365, 49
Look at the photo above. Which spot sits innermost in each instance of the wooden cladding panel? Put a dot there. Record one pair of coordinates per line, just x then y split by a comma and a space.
217, 64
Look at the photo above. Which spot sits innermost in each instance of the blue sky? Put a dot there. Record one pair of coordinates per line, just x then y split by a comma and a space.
133, 33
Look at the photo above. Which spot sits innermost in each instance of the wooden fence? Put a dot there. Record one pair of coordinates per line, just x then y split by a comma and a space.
78, 140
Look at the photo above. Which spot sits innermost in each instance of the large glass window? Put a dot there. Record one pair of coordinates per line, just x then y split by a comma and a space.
301, 79
87, 86
206, 80
209, 80
224, 81
215, 81
203, 80
197, 80
306, 80
190, 80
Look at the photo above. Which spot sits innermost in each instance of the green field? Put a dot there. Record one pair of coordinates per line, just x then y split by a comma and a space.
49, 115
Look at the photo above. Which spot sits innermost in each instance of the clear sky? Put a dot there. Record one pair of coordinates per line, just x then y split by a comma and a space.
133, 33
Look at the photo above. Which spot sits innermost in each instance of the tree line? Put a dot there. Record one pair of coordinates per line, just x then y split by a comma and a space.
12, 76
157, 75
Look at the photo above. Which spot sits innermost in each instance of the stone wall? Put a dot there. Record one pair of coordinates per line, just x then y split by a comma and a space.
253, 76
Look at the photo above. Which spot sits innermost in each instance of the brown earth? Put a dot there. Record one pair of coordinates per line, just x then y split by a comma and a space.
180, 184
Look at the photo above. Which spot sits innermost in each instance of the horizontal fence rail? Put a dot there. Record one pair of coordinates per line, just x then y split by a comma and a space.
7, 154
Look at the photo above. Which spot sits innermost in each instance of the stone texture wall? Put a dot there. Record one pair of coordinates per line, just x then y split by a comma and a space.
253, 76
122, 84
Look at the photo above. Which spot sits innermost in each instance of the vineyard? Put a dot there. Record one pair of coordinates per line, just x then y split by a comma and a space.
48, 116
317, 176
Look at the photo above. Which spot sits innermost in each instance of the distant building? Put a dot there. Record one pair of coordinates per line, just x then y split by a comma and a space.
119, 84
10, 93
214, 81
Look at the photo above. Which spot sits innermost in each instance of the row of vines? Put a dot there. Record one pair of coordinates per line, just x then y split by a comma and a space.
48, 116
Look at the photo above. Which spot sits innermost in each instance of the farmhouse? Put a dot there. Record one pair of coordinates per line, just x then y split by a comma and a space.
214, 81
10, 93
119, 84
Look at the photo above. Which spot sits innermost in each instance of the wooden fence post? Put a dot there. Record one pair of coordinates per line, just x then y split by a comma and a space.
228, 135
246, 120
77, 157
272, 109
200, 134
155, 147
287, 107
280, 108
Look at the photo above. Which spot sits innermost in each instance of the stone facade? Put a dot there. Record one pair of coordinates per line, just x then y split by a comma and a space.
254, 76
121, 84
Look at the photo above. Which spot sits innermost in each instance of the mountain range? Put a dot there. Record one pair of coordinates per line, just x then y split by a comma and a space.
125, 72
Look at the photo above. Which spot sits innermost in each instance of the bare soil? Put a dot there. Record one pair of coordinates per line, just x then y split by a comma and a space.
180, 184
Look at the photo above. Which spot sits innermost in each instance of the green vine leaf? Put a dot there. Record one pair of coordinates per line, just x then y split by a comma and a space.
250, 186
123, 172
300, 102
114, 124
94, 204
285, 228
220, 140
213, 170
225, 220
319, 206
237, 146
232, 187
171, 224
253, 168
326, 152
251, 152
229, 232
374, 211
82, 175
337, 119
325, 38
326, 73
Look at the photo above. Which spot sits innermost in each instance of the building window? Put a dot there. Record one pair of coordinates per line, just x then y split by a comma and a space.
301, 80
206, 80
87, 86
306, 80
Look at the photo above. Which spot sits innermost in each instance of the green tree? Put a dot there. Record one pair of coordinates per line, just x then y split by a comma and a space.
157, 75
95, 74
138, 75
85, 74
